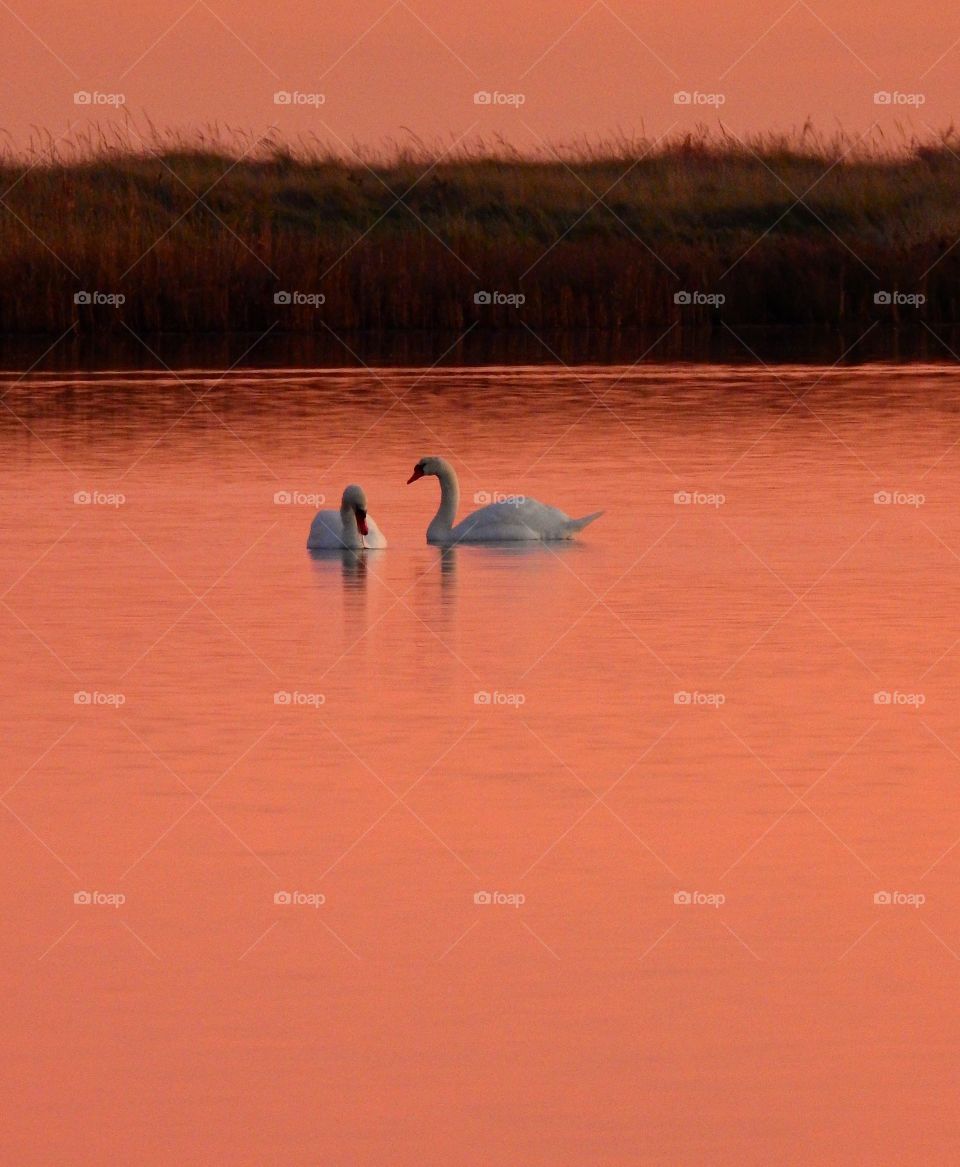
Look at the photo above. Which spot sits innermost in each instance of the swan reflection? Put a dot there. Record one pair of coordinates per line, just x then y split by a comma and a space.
448, 569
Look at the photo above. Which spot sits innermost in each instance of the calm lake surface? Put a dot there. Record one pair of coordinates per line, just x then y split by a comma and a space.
722, 729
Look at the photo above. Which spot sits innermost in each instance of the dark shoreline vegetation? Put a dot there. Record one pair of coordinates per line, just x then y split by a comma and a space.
199, 237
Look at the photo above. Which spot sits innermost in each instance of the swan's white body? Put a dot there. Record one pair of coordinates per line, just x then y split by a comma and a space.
520, 520
349, 527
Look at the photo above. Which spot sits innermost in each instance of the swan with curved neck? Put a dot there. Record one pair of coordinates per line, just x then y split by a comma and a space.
517, 519
349, 527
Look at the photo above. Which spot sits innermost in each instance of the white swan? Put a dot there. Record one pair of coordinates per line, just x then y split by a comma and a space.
348, 527
511, 521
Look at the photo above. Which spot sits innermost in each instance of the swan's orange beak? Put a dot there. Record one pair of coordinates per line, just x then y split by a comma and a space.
417, 473
362, 521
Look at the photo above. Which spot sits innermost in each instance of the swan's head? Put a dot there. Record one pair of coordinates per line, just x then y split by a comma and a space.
356, 501
427, 466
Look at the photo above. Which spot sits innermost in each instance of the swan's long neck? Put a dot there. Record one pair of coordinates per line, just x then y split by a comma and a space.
449, 501
350, 531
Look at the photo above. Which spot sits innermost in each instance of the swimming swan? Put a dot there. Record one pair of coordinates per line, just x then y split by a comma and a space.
348, 527
512, 521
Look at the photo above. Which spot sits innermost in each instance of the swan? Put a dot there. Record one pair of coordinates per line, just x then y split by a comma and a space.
511, 521
348, 527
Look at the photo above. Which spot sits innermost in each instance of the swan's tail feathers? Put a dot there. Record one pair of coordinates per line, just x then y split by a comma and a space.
572, 526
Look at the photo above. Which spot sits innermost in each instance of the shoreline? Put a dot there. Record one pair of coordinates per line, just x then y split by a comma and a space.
479, 348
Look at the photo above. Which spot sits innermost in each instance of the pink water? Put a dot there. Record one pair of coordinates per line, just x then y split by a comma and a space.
782, 1017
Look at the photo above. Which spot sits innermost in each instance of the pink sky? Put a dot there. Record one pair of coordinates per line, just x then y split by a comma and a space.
582, 67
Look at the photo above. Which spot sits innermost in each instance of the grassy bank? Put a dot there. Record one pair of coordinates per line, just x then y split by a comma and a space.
201, 238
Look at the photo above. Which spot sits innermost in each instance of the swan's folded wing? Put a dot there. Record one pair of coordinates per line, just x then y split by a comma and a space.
325, 531
520, 519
